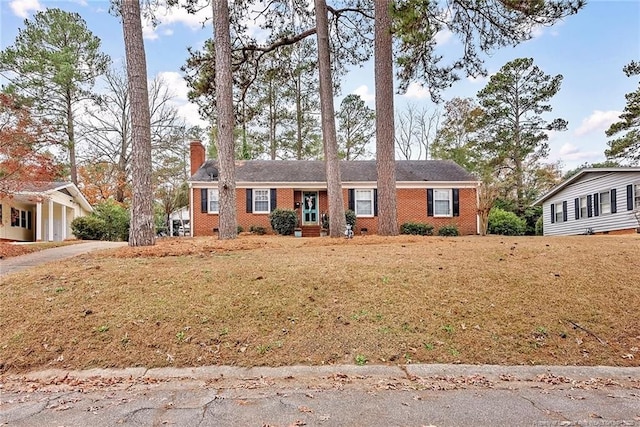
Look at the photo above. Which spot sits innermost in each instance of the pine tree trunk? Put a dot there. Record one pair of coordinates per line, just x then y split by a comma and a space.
337, 222
385, 144
73, 167
228, 225
142, 230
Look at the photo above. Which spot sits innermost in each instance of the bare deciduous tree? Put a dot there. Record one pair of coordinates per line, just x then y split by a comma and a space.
415, 132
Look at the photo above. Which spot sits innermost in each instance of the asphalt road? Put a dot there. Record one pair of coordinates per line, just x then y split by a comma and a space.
415, 395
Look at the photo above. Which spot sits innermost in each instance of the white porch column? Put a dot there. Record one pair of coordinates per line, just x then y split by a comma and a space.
64, 221
50, 221
39, 222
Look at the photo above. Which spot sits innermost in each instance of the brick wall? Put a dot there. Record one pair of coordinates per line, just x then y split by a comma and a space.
204, 223
412, 206
196, 155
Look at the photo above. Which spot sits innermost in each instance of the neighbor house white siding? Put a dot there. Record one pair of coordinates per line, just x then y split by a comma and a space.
588, 186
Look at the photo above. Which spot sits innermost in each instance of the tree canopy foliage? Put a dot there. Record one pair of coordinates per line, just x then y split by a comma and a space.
23, 143
626, 148
516, 132
481, 26
355, 127
54, 62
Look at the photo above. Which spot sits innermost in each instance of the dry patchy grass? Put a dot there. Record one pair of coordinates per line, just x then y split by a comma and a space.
282, 301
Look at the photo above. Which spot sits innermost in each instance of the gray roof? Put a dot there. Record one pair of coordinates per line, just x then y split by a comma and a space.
351, 171
42, 186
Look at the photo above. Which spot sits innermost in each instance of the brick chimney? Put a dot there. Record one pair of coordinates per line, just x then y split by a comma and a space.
196, 155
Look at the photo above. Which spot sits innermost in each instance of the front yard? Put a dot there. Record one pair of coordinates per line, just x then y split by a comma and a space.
265, 300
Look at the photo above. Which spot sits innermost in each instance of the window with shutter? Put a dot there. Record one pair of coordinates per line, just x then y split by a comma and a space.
363, 202
584, 211
261, 200
442, 201
559, 217
213, 201
605, 203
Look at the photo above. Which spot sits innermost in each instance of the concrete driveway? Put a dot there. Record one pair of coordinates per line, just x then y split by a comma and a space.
19, 263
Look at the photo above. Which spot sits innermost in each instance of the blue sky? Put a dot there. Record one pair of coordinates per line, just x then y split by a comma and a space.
589, 49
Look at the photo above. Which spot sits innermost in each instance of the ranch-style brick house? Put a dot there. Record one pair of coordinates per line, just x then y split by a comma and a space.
41, 211
436, 192
595, 200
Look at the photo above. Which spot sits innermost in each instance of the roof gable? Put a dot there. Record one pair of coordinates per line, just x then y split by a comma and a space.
287, 171
579, 176
49, 187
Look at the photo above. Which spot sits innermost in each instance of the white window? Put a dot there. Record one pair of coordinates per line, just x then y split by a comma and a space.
364, 202
636, 202
214, 206
441, 202
559, 212
583, 207
605, 203
261, 201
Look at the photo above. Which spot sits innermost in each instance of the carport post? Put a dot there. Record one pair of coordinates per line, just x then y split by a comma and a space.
38, 221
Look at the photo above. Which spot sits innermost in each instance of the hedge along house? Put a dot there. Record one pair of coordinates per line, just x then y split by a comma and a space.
42, 211
431, 191
595, 200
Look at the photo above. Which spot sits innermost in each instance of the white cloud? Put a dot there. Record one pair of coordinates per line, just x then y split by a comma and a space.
416, 91
179, 89
173, 16
478, 79
570, 152
364, 93
443, 37
537, 31
191, 114
598, 121
22, 8
148, 32
176, 83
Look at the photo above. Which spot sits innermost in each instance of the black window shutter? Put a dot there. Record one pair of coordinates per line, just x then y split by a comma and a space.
375, 202
29, 219
589, 206
596, 205
630, 197
553, 213
429, 201
576, 207
352, 199
274, 199
204, 193
249, 195
564, 211
456, 201
614, 202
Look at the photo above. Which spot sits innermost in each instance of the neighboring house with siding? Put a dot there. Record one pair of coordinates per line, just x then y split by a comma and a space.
595, 200
41, 211
436, 192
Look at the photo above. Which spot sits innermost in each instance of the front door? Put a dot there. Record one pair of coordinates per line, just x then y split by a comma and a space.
310, 208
